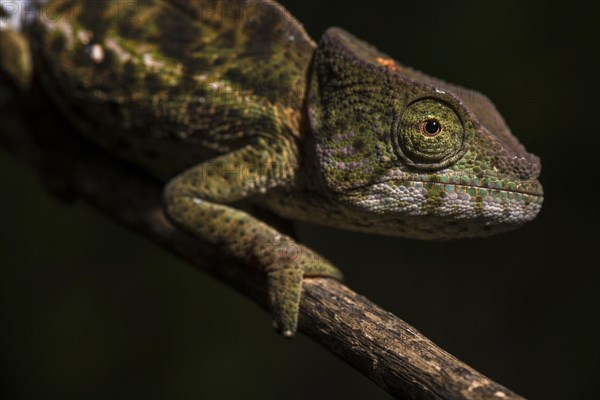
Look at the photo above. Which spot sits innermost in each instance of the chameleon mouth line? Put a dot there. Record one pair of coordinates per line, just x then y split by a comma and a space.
533, 194
538, 195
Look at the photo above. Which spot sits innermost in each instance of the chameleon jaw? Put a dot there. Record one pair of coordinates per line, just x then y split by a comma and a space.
433, 210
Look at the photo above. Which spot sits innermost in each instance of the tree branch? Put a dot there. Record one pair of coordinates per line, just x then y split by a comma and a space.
378, 344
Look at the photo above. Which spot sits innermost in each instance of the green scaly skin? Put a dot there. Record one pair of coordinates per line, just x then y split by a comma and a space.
232, 100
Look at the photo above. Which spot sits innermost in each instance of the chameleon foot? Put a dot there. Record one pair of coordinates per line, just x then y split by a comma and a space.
193, 201
285, 287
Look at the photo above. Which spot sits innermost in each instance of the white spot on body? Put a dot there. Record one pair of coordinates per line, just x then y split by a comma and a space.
96, 53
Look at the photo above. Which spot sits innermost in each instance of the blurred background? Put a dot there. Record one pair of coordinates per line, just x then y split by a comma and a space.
91, 310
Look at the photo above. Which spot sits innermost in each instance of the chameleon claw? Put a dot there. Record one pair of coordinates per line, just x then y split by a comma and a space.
285, 286
288, 334
285, 281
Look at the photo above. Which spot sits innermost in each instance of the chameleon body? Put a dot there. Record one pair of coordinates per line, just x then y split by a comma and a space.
231, 100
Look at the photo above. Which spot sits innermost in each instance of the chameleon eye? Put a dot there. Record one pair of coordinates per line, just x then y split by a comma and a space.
430, 127
429, 134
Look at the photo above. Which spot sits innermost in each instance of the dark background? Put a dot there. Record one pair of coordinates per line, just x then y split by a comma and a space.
90, 310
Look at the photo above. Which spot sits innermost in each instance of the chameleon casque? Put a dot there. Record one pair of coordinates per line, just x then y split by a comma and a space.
232, 100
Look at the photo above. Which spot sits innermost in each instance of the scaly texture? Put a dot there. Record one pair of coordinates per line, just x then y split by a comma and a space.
230, 100
147, 79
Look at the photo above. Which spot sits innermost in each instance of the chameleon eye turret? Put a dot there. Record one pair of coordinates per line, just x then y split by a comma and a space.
420, 139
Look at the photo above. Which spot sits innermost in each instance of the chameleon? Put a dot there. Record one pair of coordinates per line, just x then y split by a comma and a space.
229, 100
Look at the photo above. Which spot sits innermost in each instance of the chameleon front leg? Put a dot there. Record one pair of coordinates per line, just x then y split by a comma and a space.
193, 201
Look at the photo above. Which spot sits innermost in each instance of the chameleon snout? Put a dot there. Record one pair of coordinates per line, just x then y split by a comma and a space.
503, 159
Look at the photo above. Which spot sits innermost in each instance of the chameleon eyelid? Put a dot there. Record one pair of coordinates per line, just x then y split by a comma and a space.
396, 130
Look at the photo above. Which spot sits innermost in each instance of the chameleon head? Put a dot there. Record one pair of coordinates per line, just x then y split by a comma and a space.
406, 154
